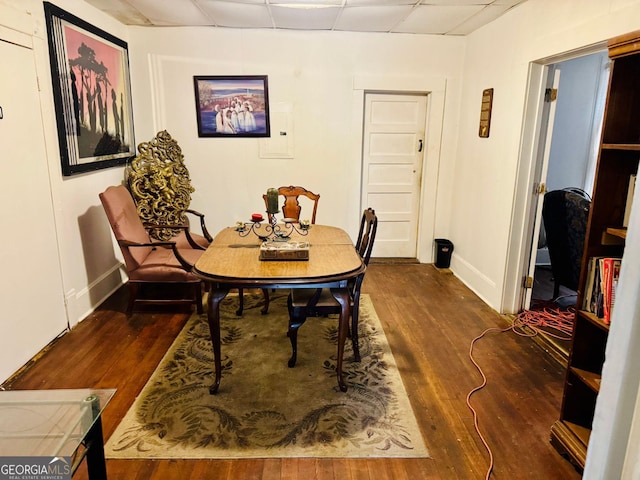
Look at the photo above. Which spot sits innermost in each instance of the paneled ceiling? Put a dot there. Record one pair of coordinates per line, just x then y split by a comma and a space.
437, 17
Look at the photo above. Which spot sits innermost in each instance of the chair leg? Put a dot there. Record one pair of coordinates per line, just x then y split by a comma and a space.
240, 302
292, 333
133, 294
265, 308
198, 299
294, 323
354, 332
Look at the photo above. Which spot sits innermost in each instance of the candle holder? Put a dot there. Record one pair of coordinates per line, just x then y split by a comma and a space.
273, 231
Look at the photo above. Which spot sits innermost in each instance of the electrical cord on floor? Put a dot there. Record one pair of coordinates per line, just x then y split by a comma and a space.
557, 319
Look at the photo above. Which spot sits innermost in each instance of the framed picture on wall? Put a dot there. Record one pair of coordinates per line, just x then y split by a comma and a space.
91, 92
232, 106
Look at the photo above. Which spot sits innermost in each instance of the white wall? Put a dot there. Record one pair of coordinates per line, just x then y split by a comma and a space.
322, 76
572, 144
499, 55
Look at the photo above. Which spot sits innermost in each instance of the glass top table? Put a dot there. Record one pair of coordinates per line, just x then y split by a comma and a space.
53, 423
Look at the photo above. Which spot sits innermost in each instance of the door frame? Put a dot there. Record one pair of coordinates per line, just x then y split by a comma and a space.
434, 88
522, 219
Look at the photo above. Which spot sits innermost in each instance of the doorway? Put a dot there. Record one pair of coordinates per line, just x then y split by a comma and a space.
572, 135
392, 162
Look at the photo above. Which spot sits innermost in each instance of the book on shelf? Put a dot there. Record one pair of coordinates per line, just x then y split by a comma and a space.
600, 286
610, 273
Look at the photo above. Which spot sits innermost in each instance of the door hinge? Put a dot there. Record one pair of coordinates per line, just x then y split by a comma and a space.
539, 188
550, 94
528, 282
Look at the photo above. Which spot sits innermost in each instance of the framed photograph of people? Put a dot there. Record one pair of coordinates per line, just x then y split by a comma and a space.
232, 106
92, 93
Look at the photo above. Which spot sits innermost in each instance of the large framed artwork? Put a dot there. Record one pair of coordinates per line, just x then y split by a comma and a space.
92, 93
232, 106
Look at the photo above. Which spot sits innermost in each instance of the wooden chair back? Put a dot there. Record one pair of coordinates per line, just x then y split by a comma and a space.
291, 207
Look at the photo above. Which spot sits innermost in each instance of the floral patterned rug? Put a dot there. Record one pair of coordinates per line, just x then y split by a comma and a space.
264, 409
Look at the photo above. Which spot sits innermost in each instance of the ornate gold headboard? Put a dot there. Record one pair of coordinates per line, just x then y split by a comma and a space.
160, 184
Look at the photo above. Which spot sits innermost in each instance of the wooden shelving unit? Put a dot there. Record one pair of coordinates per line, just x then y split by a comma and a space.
618, 160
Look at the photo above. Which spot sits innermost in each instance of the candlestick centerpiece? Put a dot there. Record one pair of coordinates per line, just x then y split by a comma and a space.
273, 231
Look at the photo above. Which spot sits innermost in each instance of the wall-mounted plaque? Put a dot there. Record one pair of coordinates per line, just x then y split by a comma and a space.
485, 112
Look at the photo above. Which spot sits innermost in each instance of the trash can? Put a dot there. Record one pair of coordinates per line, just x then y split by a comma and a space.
444, 249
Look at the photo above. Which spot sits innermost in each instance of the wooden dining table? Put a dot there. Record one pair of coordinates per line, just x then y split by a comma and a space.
232, 260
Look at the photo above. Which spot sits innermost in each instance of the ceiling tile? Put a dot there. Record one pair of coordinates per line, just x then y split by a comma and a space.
326, 3
241, 15
371, 19
486, 15
510, 3
372, 3
171, 12
429, 19
121, 10
203, 3
453, 17
304, 19
456, 3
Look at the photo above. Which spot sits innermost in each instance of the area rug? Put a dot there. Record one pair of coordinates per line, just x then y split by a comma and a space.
264, 409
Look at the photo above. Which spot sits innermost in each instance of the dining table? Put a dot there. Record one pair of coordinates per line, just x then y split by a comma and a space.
233, 260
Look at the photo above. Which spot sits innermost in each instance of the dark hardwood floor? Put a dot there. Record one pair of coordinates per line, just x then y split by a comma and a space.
430, 319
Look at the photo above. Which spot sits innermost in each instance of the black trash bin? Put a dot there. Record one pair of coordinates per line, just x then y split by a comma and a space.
444, 249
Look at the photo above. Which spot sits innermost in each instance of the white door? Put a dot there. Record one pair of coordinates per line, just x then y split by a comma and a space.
538, 190
33, 311
393, 153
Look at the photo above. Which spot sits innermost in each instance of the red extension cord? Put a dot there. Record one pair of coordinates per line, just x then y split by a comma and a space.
554, 319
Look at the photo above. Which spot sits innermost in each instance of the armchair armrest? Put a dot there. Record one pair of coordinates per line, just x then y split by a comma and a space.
186, 266
185, 228
205, 232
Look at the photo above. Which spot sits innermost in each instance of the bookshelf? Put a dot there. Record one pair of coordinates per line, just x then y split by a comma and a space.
617, 162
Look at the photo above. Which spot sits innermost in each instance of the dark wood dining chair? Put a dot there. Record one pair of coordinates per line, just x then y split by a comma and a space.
291, 207
316, 302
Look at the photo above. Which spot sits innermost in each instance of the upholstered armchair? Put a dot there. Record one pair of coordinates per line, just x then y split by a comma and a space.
151, 262
160, 184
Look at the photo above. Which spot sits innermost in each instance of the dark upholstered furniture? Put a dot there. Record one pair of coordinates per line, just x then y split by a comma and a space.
565, 214
147, 261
